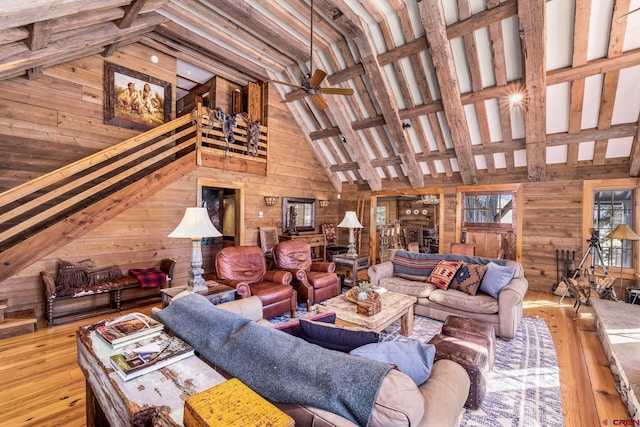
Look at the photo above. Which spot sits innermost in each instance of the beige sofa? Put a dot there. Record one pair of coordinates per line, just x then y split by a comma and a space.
504, 312
439, 402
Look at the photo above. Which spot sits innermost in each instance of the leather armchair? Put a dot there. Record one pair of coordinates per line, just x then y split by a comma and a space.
314, 281
245, 266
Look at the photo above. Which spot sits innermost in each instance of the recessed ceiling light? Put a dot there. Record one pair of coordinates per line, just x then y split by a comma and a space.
154, 59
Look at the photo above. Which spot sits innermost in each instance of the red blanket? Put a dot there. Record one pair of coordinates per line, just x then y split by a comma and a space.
149, 277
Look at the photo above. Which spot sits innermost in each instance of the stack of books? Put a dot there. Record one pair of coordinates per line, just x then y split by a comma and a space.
130, 328
150, 355
143, 345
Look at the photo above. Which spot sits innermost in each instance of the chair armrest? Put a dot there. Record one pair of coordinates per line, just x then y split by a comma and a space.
296, 273
379, 271
242, 288
327, 267
278, 276
513, 293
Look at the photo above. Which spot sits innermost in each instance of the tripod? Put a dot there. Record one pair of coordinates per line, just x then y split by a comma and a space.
595, 250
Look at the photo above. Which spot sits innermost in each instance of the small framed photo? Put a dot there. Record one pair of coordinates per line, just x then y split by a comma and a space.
135, 100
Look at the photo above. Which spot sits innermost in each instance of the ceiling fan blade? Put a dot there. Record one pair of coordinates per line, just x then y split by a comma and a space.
317, 78
319, 101
336, 90
294, 95
286, 84
628, 13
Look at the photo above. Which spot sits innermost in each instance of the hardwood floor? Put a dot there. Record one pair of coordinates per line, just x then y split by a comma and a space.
42, 385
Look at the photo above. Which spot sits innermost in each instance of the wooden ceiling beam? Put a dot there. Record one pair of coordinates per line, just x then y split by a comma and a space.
531, 19
18, 57
432, 16
130, 13
38, 35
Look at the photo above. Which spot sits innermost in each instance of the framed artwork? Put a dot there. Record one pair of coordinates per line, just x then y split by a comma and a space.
135, 100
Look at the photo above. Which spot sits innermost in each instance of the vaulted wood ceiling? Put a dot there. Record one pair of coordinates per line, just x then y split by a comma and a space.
432, 78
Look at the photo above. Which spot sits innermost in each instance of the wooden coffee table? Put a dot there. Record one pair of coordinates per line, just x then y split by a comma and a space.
394, 306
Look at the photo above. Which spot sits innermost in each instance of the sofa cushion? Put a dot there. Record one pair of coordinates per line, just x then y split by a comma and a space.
443, 273
416, 288
468, 278
414, 358
480, 303
496, 278
336, 337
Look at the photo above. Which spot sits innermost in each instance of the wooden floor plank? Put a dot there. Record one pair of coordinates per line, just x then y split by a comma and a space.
41, 383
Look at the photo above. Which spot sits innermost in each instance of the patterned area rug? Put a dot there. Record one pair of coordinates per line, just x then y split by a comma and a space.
524, 387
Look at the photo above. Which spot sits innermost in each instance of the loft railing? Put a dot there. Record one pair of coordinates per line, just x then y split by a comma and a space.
33, 206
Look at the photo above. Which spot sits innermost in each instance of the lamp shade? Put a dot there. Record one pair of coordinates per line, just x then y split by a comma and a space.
195, 224
623, 232
350, 220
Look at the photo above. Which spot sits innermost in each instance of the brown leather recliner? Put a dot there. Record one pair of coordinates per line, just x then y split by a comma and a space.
314, 281
245, 265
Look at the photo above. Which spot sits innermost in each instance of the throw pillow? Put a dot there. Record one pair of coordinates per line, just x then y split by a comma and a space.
102, 275
293, 327
496, 278
72, 274
414, 358
468, 278
336, 337
443, 273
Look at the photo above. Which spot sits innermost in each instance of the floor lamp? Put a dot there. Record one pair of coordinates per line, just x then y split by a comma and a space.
195, 225
622, 232
351, 222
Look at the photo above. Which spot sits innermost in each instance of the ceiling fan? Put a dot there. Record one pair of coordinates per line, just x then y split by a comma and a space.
310, 85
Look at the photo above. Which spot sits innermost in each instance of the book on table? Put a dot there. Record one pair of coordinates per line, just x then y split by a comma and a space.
149, 355
129, 328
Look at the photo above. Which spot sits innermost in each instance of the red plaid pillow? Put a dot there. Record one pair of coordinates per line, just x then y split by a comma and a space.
443, 273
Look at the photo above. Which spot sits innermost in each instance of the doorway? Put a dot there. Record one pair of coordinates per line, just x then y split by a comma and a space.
225, 204
400, 218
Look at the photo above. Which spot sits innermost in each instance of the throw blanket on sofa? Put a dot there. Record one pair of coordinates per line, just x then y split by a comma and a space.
278, 366
149, 277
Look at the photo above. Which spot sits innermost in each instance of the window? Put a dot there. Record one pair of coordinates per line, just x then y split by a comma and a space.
494, 209
610, 208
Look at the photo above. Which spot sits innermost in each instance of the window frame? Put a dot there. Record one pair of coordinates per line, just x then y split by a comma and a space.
588, 212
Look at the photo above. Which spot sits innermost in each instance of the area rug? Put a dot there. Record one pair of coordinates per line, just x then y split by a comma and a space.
523, 389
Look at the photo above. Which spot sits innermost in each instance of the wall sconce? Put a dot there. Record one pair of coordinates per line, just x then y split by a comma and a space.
323, 203
270, 200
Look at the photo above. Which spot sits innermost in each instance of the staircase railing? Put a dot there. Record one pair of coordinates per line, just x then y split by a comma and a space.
32, 206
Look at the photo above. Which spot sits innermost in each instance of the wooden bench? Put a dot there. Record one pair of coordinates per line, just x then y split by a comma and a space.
113, 287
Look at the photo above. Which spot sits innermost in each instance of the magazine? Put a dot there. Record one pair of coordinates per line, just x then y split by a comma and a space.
154, 354
123, 330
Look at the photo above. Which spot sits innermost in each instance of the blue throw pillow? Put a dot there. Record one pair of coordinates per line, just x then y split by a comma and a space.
336, 337
413, 358
496, 278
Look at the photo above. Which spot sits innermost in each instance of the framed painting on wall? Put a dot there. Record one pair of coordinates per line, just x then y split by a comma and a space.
135, 100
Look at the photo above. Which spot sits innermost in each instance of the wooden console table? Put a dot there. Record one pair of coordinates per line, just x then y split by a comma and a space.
316, 241
156, 398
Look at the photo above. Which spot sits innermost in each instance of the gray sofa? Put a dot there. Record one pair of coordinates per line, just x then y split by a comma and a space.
439, 402
504, 312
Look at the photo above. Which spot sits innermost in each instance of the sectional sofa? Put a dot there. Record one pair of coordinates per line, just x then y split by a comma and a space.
485, 289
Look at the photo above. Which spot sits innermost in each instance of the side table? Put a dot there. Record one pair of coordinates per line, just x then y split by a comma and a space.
352, 264
216, 293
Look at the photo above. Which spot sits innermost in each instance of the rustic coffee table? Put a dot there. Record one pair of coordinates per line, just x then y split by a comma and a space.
394, 306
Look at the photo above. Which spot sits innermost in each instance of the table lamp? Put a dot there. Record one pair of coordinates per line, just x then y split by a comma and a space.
622, 232
195, 225
351, 222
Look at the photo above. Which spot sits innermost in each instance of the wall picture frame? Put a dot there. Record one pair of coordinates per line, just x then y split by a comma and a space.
135, 100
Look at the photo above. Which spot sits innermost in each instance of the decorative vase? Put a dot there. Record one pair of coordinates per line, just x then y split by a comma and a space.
362, 296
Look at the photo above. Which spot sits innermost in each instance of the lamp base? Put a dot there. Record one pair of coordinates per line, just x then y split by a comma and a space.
196, 282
